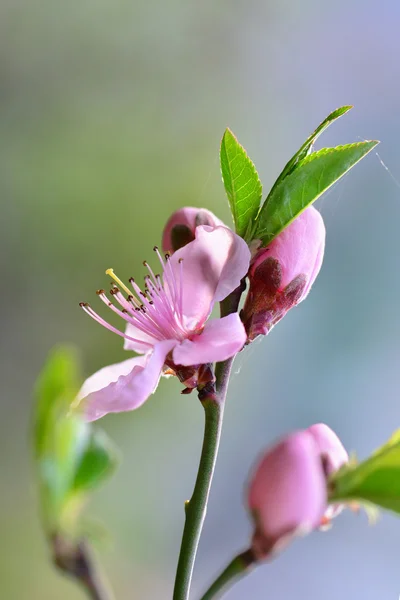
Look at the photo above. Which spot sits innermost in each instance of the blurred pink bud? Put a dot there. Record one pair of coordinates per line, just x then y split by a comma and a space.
282, 274
181, 226
287, 494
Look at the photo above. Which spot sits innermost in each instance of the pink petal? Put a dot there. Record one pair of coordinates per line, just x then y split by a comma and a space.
124, 386
187, 218
134, 332
330, 446
219, 340
212, 267
334, 456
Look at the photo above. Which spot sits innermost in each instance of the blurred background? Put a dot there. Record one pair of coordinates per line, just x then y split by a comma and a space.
111, 115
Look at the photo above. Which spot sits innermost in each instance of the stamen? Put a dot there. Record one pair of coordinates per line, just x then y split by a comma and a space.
156, 310
150, 270
89, 310
111, 273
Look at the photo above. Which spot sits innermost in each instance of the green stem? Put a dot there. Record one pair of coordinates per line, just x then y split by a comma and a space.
213, 402
241, 565
197, 506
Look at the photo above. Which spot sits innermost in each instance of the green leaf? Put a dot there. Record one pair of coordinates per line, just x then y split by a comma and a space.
242, 184
310, 141
71, 456
97, 463
312, 176
55, 386
376, 480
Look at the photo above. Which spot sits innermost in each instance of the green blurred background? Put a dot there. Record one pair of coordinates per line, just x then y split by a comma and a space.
110, 118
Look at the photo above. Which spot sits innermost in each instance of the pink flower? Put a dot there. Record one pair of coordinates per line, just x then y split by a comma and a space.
282, 274
167, 322
181, 226
287, 495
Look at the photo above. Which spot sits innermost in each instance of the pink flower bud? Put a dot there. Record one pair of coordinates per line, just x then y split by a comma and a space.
181, 226
287, 494
282, 274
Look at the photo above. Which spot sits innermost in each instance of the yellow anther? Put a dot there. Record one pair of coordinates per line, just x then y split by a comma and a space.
111, 273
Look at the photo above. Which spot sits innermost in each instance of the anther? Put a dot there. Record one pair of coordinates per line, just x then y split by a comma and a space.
167, 255
180, 260
100, 292
155, 248
83, 304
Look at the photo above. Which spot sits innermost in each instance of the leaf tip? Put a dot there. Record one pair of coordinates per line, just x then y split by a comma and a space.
228, 133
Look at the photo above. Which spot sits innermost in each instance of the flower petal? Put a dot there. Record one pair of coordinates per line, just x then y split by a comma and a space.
330, 447
212, 267
220, 339
124, 386
136, 346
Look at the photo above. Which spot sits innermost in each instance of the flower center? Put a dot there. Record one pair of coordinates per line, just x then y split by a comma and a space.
156, 311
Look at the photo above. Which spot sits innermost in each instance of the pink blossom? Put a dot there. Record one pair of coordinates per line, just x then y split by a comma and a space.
181, 226
282, 274
167, 322
287, 495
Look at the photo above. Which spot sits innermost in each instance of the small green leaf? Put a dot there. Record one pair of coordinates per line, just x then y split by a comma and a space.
97, 463
71, 456
242, 184
310, 141
376, 480
56, 385
312, 176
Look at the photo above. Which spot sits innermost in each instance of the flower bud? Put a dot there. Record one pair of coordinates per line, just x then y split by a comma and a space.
282, 274
181, 226
287, 494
